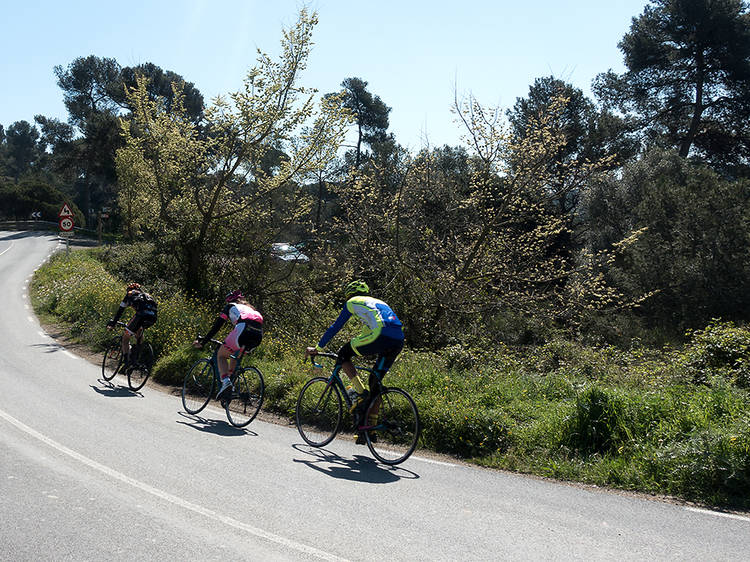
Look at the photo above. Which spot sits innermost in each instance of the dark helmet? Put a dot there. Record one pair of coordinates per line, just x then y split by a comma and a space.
357, 287
234, 296
134, 287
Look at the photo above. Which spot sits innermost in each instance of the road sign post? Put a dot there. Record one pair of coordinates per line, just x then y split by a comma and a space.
66, 225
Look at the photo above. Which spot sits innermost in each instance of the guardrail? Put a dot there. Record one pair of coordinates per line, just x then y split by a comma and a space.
28, 225
39, 225
42, 225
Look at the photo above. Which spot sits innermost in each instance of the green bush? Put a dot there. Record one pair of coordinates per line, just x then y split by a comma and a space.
76, 288
721, 349
598, 422
460, 429
171, 368
709, 465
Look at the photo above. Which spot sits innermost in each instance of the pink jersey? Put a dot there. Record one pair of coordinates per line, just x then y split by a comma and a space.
236, 312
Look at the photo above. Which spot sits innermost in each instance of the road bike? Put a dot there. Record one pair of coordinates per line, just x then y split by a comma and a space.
390, 422
141, 361
203, 380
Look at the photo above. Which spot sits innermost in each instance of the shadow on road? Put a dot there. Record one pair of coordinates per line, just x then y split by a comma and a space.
49, 347
114, 391
217, 427
359, 469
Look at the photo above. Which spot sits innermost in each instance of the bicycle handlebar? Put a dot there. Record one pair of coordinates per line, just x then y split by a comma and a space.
213, 341
322, 354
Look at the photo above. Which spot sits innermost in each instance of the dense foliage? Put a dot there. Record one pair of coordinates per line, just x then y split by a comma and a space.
605, 218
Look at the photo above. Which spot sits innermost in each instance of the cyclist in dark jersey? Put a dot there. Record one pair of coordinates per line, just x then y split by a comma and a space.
246, 334
382, 335
145, 307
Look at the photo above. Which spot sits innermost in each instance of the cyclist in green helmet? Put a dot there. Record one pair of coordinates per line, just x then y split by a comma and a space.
382, 335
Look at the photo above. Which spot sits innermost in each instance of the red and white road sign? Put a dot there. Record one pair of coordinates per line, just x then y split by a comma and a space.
65, 211
66, 224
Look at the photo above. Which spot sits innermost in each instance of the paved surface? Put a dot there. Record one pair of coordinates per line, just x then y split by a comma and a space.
93, 471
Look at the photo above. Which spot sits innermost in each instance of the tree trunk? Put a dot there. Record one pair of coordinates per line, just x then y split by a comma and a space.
698, 108
194, 270
321, 188
359, 143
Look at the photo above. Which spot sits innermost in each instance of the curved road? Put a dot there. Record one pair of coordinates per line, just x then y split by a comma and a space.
90, 471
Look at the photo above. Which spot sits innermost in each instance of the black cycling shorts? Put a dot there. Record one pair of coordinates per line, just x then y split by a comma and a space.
145, 320
386, 349
246, 334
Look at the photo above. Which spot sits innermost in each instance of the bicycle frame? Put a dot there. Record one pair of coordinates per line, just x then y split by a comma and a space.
394, 433
335, 379
139, 335
214, 360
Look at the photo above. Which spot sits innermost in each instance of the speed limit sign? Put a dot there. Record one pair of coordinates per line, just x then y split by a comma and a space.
66, 224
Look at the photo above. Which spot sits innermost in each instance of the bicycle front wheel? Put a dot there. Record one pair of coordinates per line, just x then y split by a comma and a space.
392, 426
112, 359
247, 397
198, 386
139, 373
318, 412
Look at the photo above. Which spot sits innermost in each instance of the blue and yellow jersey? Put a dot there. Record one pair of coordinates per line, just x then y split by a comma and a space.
376, 316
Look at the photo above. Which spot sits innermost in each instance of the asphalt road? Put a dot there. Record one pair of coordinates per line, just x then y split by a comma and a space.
90, 471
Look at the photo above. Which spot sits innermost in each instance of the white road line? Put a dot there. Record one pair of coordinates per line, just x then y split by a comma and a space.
26, 306
6, 249
719, 514
441, 463
166, 496
68, 353
43, 334
29, 318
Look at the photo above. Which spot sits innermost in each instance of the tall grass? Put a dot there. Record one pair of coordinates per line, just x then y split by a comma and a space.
667, 421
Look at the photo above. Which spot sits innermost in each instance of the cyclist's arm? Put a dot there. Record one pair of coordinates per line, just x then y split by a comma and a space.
218, 323
118, 314
334, 328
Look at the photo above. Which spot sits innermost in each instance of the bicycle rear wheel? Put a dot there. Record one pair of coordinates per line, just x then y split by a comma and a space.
247, 397
198, 386
395, 428
139, 373
318, 412
112, 359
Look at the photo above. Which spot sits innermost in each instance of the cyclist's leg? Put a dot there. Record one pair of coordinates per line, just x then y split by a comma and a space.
248, 339
224, 357
130, 330
241, 338
389, 350
231, 346
345, 355
146, 321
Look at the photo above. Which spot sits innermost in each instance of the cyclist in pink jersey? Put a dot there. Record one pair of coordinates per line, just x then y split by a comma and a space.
246, 334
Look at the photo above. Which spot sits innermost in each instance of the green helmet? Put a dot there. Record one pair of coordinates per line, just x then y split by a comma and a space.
356, 287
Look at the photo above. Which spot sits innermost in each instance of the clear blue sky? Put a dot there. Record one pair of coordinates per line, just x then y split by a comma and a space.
413, 54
